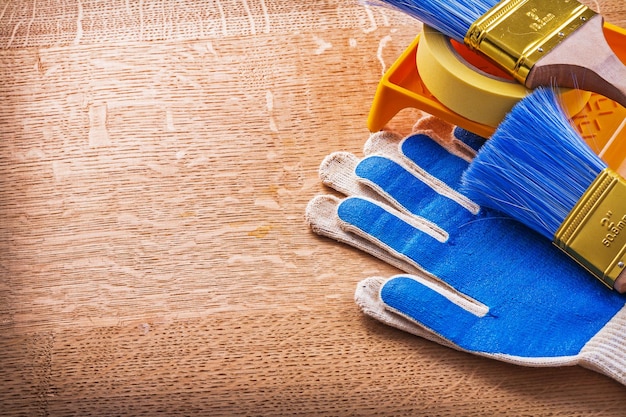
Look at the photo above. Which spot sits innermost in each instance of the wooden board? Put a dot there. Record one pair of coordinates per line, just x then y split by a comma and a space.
156, 158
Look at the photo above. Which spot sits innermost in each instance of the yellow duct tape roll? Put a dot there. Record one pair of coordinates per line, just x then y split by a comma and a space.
474, 89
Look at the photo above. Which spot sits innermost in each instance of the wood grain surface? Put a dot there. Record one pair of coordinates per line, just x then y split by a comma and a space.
156, 158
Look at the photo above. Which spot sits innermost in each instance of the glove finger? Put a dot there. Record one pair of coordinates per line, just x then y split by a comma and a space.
367, 298
426, 160
398, 185
321, 215
478, 329
427, 155
337, 172
406, 237
371, 179
437, 161
423, 148
439, 309
428, 310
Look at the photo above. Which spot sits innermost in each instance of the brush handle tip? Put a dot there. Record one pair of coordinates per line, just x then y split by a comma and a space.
584, 61
620, 283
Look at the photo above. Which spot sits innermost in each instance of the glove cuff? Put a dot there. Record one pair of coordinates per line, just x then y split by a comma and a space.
606, 351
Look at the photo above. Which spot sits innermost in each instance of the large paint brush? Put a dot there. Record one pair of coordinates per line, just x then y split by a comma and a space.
537, 169
539, 42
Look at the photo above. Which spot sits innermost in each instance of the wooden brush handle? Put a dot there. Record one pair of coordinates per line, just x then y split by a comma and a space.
585, 61
620, 283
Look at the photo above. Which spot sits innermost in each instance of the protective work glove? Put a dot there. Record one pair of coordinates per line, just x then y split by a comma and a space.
474, 280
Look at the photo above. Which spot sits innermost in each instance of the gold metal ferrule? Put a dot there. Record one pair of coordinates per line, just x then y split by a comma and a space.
594, 232
517, 33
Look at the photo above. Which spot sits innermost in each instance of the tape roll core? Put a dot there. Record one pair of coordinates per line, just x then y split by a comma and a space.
468, 89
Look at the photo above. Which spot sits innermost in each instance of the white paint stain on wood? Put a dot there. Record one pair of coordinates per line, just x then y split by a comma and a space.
98, 134
269, 102
266, 17
370, 17
79, 23
269, 99
169, 120
322, 45
379, 54
246, 7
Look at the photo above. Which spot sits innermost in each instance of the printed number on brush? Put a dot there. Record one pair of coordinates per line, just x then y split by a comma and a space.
613, 228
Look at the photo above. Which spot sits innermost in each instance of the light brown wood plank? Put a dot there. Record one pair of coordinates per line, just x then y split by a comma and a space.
155, 161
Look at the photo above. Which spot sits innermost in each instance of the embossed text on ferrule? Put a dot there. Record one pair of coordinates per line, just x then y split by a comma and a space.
539, 22
614, 228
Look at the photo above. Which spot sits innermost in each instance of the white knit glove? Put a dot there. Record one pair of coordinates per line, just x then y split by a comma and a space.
475, 281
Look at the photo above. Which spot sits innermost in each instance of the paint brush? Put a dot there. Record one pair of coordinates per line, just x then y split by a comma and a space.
537, 169
539, 42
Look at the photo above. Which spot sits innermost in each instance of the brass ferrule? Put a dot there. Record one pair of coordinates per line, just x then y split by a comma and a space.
594, 232
517, 33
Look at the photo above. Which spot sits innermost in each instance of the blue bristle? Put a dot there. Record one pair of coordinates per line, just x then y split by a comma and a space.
535, 167
450, 17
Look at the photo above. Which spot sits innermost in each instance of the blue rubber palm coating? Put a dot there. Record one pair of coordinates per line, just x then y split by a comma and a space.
541, 304
470, 139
